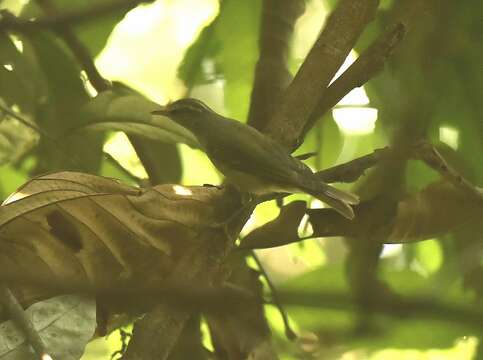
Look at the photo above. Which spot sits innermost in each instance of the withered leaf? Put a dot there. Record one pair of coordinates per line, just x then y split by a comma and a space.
64, 230
372, 216
77, 228
436, 210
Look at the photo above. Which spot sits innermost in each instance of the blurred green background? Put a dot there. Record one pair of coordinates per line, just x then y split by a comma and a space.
433, 85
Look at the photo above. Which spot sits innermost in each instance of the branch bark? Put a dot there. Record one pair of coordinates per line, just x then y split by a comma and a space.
271, 74
367, 65
342, 30
67, 18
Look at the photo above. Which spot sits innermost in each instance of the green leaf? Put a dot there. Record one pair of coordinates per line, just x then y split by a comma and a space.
205, 47
326, 139
231, 42
11, 179
131, 113
19, 79
161, 160
60, 111
16, 139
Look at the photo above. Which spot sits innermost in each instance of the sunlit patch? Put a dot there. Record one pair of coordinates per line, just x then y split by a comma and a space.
17, 42
206, 336
15, 108
87, 84
120, 148
317, 204
250, 225
189, 19
143, 18
356, 120
463, 348
8, 67
305, 227
309, 342
181, 190
450, 136
345, 65
15, 197
307, 29
429, 256
357, 96
389, 250
130, 56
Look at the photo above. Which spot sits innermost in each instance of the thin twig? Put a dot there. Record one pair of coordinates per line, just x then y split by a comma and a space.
69, 17
219, 300
291, 335
427, 153
367, 65
347, 172
80, 51
300, 99
17, 315
21, 120
354, 169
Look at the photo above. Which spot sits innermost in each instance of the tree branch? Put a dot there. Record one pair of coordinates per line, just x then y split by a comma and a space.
367, 65
71, 17
427, 153
354, 169
392, 306
271, 73
342, 30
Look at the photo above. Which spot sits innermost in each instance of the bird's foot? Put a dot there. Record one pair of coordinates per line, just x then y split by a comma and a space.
219, 187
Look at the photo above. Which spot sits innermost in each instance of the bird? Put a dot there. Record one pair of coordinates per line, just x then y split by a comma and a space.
249, 159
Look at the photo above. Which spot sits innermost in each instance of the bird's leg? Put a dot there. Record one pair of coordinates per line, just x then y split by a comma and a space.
249, 202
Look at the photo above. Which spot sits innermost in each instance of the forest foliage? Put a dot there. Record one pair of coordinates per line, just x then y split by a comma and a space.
87, 176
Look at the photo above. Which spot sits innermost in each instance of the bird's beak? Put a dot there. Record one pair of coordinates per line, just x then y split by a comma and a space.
164, 111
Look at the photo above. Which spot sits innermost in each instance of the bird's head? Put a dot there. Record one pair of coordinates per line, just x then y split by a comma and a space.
189, 113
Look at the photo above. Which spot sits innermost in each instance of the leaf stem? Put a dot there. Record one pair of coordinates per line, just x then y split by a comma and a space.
17, 315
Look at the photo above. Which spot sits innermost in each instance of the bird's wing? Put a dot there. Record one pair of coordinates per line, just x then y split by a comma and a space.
253, 153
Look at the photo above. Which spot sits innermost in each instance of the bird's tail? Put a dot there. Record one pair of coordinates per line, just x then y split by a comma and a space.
339, 200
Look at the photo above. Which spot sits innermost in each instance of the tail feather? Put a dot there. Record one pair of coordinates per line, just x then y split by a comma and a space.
339, 200
341, 195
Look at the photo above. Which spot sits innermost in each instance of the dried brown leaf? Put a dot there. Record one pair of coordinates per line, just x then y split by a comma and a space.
94, 231
438, 209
